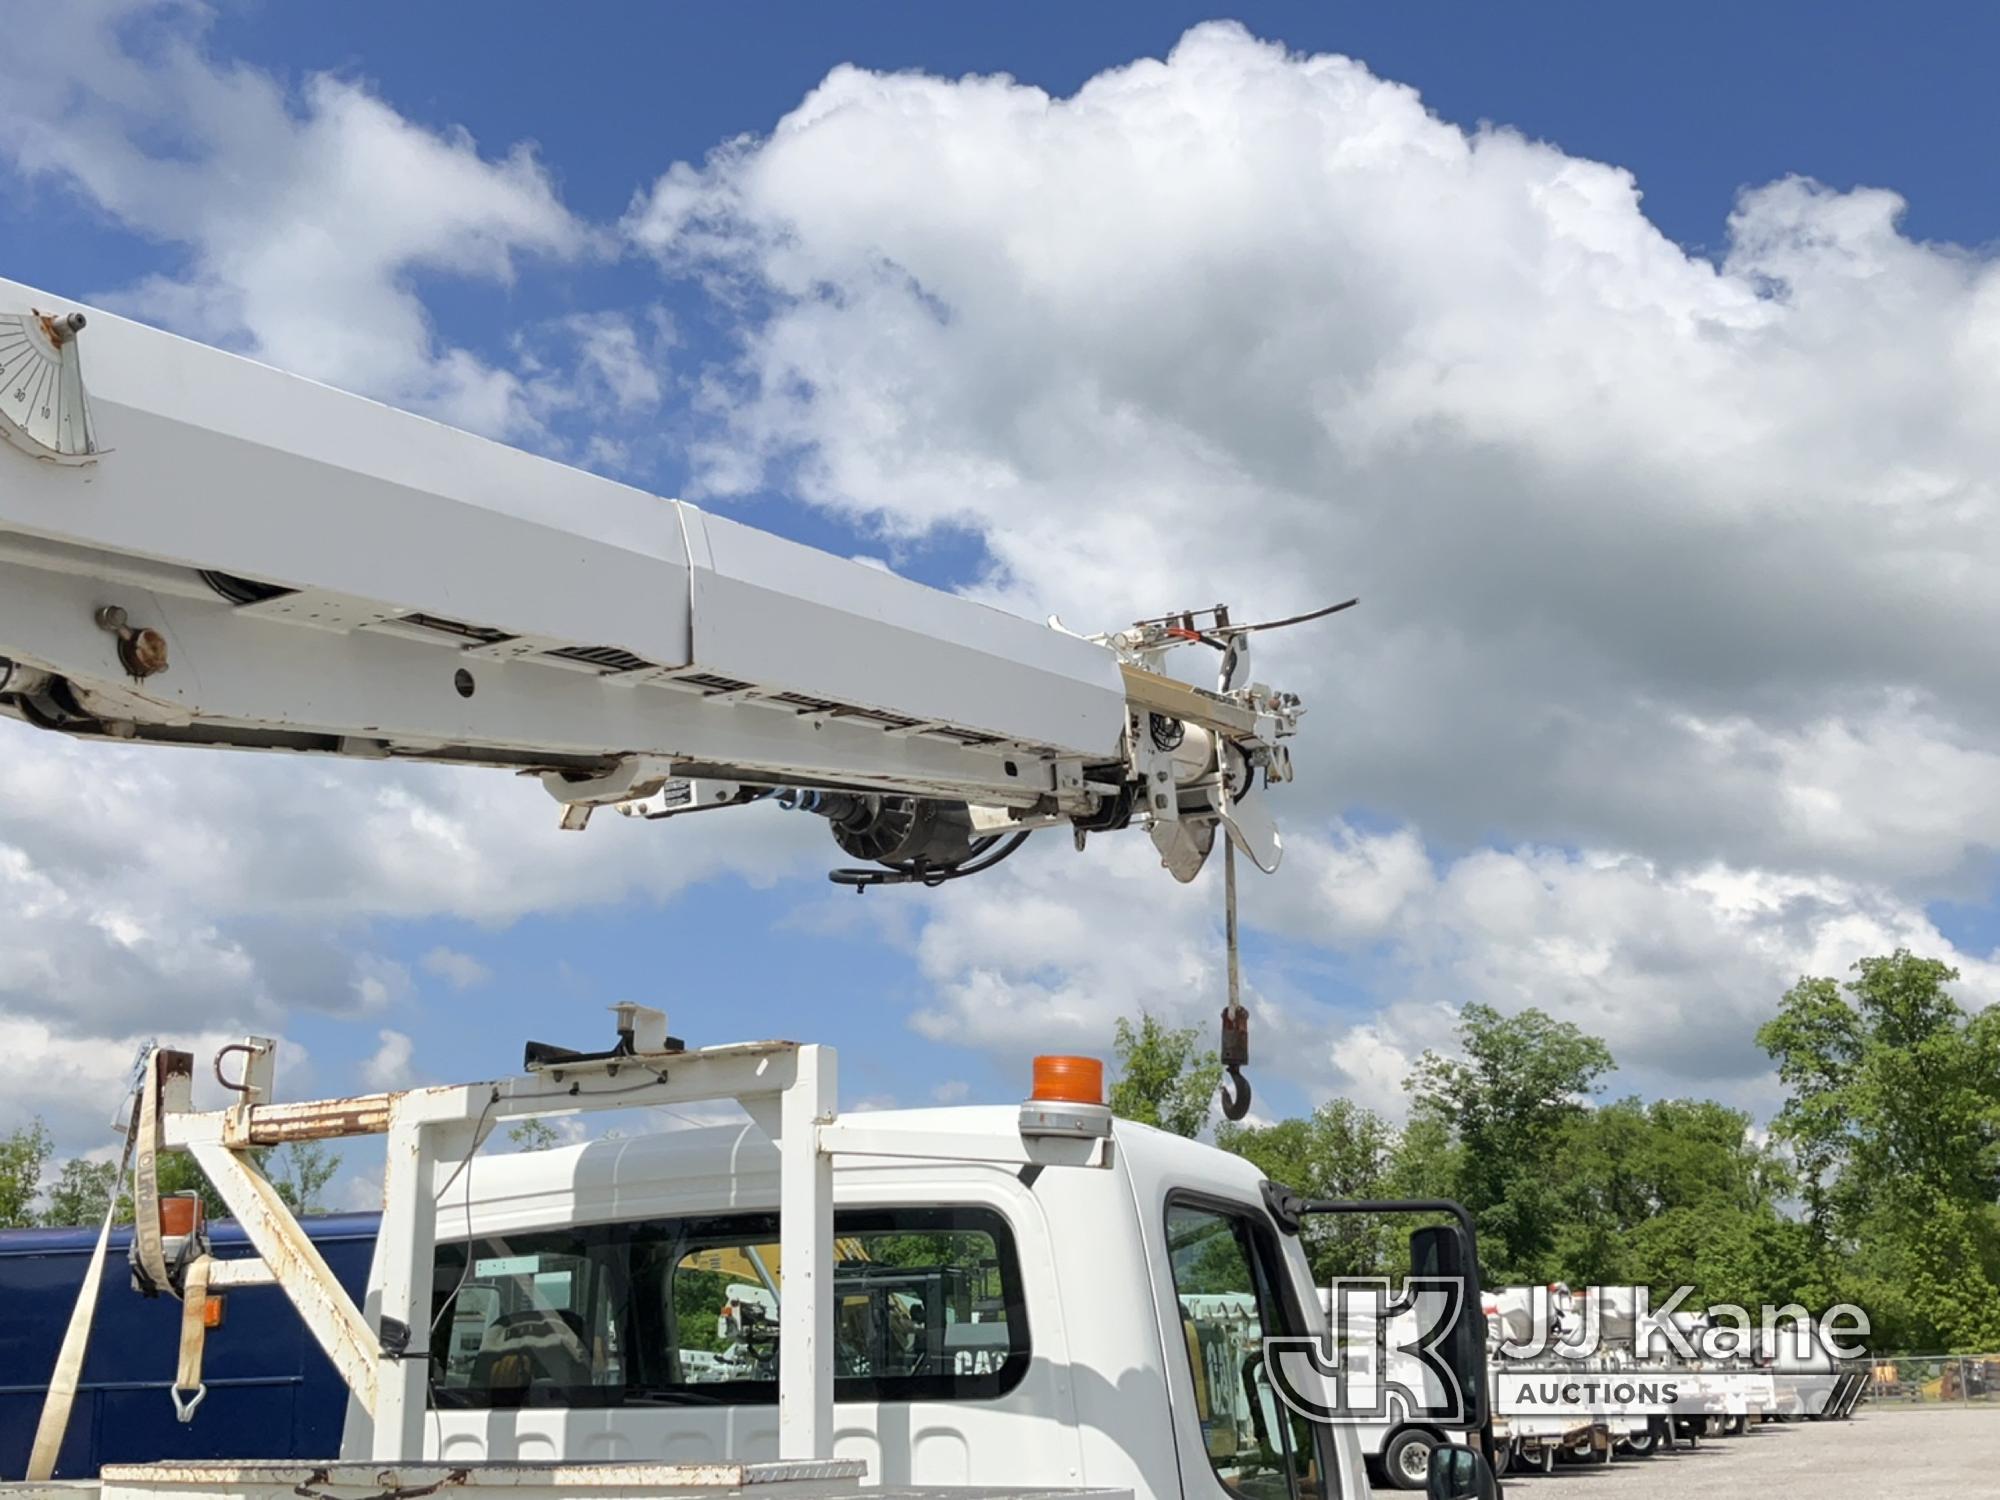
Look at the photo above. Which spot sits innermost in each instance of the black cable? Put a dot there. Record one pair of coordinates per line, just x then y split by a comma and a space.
1315, 614
241, 591
910, 873
969, 867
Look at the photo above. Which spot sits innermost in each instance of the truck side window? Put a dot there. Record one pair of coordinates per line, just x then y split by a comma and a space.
1222, 1277
927, 1306
533, 1313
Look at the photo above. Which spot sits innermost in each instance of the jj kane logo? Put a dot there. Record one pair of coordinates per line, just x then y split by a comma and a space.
1385, 1354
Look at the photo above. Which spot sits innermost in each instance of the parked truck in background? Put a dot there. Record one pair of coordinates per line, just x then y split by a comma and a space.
272, 1393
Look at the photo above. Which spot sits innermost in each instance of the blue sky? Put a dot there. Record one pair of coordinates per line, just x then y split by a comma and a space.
1698, 102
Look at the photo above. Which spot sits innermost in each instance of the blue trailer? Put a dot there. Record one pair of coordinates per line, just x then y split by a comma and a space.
271, 1392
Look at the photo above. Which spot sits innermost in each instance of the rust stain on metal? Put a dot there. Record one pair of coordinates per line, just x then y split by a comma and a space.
143, 652
320, 1119
387, 1479
60, 327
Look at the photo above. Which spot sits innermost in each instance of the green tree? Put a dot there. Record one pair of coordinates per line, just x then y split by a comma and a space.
300, 1171
1816, 1040
176, 1172
22, 1157
1508, 1105
532, 1134
1165, 1078
81, 1193
1894, 1119
1726, 1255
78, 1196
1675, 1192
1424, 1162
1341, 1150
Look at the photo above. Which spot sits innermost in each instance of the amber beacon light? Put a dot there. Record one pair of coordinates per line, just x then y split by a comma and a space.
1069, 1080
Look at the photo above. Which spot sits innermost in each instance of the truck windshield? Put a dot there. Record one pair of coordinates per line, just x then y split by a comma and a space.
1225, 1272
928, 1306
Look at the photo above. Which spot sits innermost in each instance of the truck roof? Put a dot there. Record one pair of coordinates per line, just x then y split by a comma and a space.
691, 1160
699, 1154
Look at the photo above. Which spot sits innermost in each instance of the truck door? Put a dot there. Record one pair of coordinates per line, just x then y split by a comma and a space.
1231, 1292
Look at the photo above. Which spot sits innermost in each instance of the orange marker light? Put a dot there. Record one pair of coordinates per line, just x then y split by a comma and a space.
180, 1213
1069, 1080
211, 1312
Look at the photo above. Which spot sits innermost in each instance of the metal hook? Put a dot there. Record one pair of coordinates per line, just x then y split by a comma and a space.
1235, 1094
185, 1409
242, 1088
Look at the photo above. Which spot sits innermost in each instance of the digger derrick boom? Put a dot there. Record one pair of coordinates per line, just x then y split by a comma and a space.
207, 551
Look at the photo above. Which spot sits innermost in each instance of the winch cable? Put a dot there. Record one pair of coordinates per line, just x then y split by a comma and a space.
54, 1421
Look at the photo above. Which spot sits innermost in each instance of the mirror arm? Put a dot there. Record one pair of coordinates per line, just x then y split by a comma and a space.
1291, 1209
1283, 1205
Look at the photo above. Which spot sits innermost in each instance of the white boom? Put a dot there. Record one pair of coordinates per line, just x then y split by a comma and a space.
205, 551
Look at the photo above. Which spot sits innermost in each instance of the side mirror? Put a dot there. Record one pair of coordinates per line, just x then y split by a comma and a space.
1445, 1250
1460, 1474
1449, 1251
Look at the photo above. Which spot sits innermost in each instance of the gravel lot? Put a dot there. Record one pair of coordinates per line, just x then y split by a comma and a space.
1878, 1454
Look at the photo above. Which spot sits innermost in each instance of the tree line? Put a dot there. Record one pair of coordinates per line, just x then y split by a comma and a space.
1877, 1183
82, 1186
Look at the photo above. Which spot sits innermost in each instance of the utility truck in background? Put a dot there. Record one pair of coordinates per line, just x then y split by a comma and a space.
1635, 1380
1520, 1316
197, 550
1808, 1380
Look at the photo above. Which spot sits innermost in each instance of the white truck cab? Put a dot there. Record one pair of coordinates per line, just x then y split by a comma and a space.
1031, 1298
943, 1303
993, 1323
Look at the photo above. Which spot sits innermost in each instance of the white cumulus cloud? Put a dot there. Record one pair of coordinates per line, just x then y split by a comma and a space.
460, 970
1644, 541
1672, 676
304, 212
388, 1067
175, 893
